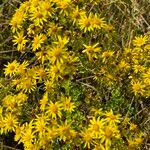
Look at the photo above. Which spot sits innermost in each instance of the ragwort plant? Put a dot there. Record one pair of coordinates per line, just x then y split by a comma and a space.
59, 89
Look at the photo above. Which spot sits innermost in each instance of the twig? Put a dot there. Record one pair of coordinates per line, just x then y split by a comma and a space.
129, 107
88, 85
8, 39
8, 147
8, 51
84, 78
138, 112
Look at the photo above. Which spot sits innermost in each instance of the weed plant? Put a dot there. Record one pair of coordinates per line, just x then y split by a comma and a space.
75, 75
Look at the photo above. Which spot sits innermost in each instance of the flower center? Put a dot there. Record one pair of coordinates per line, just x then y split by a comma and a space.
10, 123
87, 23
112, 117
54, 109
96, 127
12, 67
39, 15
108, 133
57, 52
20, 40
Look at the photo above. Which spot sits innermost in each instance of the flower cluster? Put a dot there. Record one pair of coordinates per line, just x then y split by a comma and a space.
49, 125
59, 89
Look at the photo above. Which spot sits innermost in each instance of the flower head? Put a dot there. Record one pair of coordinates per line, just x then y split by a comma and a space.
67, 105
20, 41
86, 23
37, 41
87, 138
138, 87
10, 122
11, 68
54, 109
91, 50
111, 118
140, 41
96, 126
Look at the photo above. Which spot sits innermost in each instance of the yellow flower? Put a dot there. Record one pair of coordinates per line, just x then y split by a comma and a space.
56, 72
62, 41
20, 15
146, 77
108, 27
30, 74
134, 142
44, 101
65, 131
11, 103
17, 20
131, 143
138, 140
47, 7
140, 41
18, 133
138, 88
21, 98
126, 121
31, 30
70, 62
20, 41
86, 23
28, 135
87, 138
106, 55
56, 55
123, 65
27, 85
64, 5
41, 143
91, 51
147, 47
54, 109
128, 52
91, 22
11, 68
15, 25
67, 105
138, 68
99, 147
109, 132
49, 86
98, 22
42, 55
51, 133
133, 126
10, 123
109, 78
37, 41
38, 16
111, 118
96, 126
40, 124
25, 6
22, 68
53, 29
76, 15
41, 73
97, 112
